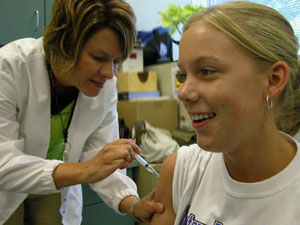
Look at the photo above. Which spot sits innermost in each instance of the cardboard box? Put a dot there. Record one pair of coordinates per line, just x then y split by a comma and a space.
168, 85
159, 112
145, 181
137, 81
134, 62
166, 78
185, 121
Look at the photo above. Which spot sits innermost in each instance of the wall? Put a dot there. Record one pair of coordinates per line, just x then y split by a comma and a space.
147, 15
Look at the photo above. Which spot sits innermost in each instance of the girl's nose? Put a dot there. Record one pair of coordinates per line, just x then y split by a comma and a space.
188, 91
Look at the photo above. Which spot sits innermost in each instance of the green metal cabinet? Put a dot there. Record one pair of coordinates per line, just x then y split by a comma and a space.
48, 11
96, 212
23, 18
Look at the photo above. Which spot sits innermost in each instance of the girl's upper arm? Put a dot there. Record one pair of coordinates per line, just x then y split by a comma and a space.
164, 193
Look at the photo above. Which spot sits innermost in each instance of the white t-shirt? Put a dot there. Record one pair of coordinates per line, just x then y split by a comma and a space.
203, 188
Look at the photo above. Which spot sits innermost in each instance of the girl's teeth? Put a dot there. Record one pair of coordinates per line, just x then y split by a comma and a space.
202, 116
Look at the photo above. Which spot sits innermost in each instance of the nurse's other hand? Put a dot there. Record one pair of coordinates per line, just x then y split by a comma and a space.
115, 155
146, 207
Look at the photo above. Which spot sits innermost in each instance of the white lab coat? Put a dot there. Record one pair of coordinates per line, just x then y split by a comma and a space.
25, 134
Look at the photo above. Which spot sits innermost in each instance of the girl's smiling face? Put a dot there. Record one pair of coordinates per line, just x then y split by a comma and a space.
98, 62
224, 89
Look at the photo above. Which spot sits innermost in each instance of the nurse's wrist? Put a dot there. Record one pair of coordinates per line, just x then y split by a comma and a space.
86, 173
131, 213
126, 203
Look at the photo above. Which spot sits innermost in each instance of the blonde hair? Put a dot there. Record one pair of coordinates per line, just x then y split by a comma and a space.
75, 21
268, 38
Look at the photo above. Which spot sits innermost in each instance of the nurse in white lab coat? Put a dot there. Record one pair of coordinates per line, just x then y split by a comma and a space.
71, 67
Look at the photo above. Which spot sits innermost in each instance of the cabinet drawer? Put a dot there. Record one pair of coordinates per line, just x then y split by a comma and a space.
90, 197
100, 214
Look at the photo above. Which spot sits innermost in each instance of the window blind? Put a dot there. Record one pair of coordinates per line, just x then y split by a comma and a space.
290, 9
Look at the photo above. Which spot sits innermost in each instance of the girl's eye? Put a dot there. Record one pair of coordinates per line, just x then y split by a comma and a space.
205, 72
180, 77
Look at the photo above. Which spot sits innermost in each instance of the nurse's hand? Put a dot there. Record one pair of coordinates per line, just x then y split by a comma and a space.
146, 207
143, 209
115, 155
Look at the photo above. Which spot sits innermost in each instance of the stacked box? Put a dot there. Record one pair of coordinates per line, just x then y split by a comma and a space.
145, 181
160, 112
137, 81
168, 85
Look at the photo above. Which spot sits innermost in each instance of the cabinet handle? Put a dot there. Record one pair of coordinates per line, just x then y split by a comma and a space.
37, 15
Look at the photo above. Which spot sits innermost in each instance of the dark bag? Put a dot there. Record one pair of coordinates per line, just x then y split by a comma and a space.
123, 129
157, 46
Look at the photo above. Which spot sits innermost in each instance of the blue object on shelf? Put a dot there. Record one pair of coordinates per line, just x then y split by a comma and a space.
138, 95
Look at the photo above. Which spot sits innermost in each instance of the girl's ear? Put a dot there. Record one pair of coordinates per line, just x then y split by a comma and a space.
279, 75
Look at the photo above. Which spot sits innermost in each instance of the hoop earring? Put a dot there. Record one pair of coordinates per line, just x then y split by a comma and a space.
269, 102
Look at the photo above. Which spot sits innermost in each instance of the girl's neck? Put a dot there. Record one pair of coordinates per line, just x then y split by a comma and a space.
263, 162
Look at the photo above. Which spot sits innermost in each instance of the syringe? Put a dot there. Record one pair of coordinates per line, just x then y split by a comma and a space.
144, 163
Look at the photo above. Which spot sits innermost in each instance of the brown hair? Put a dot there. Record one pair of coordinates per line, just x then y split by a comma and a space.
75, 21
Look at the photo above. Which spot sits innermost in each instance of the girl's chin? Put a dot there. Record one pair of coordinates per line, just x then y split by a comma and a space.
206, 144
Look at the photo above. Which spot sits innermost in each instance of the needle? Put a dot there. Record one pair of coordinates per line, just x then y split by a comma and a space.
144, 163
